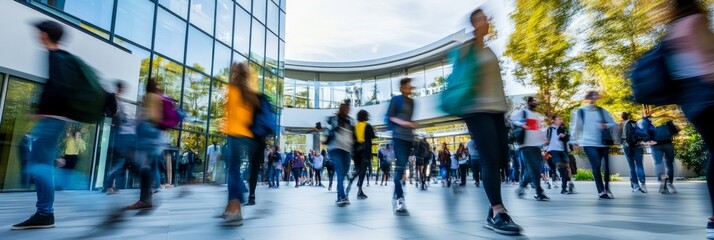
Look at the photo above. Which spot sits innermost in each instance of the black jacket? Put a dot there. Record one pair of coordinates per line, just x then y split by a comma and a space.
563, 130
63, 71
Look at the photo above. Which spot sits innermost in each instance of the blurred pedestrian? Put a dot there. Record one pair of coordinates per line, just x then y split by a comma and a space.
339, 144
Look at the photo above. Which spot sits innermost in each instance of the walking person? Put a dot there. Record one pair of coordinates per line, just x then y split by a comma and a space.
362, 151
557, 139
632, 143
530, 148
486, 123
463, 157
590, 128
400, 113
123, 144
423, 156
241, 104
385, 163
330, 166
273, 158
297, 165
445, 165
474, 162
213, 153
339, 144
661, 140
319, 164
256, 162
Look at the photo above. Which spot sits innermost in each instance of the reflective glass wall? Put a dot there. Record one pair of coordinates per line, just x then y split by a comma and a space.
429, 79
188, 46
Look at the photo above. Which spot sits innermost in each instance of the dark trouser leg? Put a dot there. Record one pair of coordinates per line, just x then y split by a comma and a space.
630, 156
668, 150
593, 154
605, 156
256, 161
489, 133
704, 126
401, 152
516, 168
238, 147
534, 160
561, 160
475, 169
463, 169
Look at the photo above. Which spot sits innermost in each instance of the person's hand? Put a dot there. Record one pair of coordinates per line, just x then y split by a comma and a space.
411, 125
576, 147
562, 135
603, 126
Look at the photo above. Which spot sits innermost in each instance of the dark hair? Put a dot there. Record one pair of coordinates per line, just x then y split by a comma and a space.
531, 99
405, 81
684, 8
474, 13
591, 94
152, 85
362, 116
625, 116
554, 117
323, 153
240, 77
54, 30
119, 84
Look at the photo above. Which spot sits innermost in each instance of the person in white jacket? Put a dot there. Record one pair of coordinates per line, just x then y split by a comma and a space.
530, 148
587, 125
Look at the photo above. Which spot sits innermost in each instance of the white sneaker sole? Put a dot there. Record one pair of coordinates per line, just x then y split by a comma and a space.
32, 227
489, 227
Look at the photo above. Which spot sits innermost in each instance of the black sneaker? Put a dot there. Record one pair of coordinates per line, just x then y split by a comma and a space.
251, 201
503, 224
710, 229
520, 192
361, 195
36, 221
605, 196
342, 202
563, 191
541, 197
571, 188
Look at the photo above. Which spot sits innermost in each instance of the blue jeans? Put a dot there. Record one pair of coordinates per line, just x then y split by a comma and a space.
634, 159
341, 159
47, 132
665, 151
402, 148
597, 157
533, 160
239, 148
272, 176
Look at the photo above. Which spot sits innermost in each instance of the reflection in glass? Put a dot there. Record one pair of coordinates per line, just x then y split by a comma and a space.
384, 88
197, 143
97, 12
221, 62
417, 76
259, 9
369, 92
270, 87
224, 21
198, 54
22, 96
273, 17
289, 93
281, 61
241, 34
257, 47
395, 77
271, 53
195, 100
339, 94
179, 7
170, 35
169, 76
218, 100
135, 21
202, 12
282, 25
303, 92
326, 98
434, 77
354, 92
246, 4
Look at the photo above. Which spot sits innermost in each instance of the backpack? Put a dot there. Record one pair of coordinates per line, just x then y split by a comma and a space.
518, 134
634, 134
398, 101
605, 134
651, 80
265, 120
460, 93
87, 101
172, 116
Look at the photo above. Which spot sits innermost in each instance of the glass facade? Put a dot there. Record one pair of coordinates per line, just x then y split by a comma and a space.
187, 45
429, 79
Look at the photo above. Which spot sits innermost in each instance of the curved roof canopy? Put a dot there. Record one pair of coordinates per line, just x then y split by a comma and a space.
346, 71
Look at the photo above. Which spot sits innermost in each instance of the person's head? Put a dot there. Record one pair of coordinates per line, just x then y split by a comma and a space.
405, 86
241, 77
592, 96
461, 146
389, 146
444, 145
51, 33
480, 23
684, 8
77, 134
323, 153
152, 86
362, 116
557, 120
625, 116
119, 85
344, 110
532, 103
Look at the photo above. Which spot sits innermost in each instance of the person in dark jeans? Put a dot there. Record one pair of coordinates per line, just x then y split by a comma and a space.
530, 148
340, 143
256, 161
296, 170
400, 112
661, 140
362, 153
557, 139
632, 147
330, 166
123, 141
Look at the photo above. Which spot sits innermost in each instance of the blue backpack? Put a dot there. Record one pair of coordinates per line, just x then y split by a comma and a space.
651, 81
398, 101
265, 121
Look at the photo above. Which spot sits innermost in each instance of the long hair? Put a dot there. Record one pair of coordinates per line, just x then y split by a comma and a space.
684, 8
152, 85
241, 76
343, 116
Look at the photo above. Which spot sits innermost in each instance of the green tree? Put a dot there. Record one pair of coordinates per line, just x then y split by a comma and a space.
541, 50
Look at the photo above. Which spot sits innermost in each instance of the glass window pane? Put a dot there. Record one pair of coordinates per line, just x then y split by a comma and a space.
302, 95
434, 77
339, 93
241, 35
326, 99
273, 17
417, 75
221, 62
282, 4
195, 100
258, 71
271, 53
218, 100
271, 88
131, 91
224, 21
281, 59
246, 4
170, 35
354, 92
369, 92
135, 21
395, 82
169, 76
237, 57
282, 25
288, 93
384, 86
202, 12
196, 143
97, 12
20, 101
257, 47
179, 7
259, 8
198, 54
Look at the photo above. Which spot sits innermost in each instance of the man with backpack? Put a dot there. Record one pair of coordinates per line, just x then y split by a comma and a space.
399, 120
530, 147
661, 138
632, 137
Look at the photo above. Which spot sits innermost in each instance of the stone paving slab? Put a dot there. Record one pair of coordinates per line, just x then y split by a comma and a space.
310, 213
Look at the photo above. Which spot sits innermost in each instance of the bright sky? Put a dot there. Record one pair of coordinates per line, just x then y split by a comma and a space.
354, 30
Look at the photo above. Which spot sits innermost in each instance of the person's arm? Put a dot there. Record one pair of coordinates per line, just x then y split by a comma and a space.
692, 36
154, 108
609, 120
517, 118
576, 127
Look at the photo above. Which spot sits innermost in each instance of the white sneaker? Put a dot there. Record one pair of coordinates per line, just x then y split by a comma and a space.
400, 207
671, 188
643, 188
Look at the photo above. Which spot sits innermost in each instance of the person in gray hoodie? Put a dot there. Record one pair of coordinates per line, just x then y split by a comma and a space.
589, 127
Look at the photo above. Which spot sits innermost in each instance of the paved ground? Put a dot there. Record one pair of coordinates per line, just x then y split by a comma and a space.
310, 213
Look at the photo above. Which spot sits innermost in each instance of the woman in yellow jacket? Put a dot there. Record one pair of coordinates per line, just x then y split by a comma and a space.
74, 145
241, 102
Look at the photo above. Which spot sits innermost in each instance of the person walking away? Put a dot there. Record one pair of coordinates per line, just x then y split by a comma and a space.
473, 160
213, 153
339, 145
661, 140
434, 165
557, 139
256, 162
590, 126
632, 137
400, 113
423, 156
297, 165
463, 156
124, 142
486, 122
273, 158
362, 155
319, 165
386, 163
445, 165
330, 166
